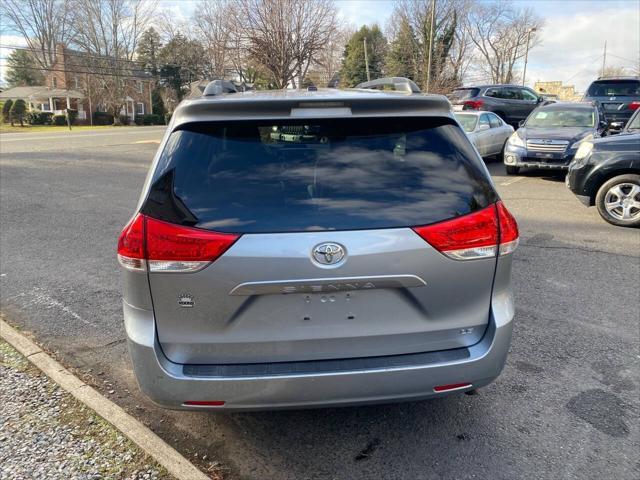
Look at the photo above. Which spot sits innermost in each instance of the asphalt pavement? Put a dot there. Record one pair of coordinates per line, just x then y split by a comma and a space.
566, 406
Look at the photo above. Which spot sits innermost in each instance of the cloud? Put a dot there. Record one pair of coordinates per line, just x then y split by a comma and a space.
573, 45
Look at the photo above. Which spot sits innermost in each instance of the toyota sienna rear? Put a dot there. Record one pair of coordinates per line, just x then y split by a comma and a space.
300, 249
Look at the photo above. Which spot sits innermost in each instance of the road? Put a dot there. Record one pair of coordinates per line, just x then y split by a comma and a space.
565, 407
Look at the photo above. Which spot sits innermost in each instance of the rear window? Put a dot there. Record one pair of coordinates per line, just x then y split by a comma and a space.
615, 88
462, 94
286, 176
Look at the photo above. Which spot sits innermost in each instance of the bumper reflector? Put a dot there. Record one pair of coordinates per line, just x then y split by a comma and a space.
453, 386
204, 403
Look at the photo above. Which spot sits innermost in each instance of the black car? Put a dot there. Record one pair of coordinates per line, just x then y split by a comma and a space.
512, 103
619, 97
551, 135
606, 173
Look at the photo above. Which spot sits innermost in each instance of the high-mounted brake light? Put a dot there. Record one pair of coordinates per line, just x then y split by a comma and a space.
481, 234
634, 105
472, 104
166, 247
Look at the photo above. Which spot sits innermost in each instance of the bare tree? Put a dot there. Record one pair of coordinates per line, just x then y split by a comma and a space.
42, 23
500, 32
213, 27
284, 36
168, 26
107, 34
328, 61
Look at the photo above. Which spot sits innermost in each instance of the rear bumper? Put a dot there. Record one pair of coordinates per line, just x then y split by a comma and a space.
170, 385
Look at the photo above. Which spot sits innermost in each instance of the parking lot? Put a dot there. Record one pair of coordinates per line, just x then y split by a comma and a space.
566, 406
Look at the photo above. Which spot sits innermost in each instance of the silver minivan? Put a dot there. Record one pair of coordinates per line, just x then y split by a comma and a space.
322, 248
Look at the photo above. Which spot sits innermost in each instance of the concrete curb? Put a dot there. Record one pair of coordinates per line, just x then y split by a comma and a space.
154, 446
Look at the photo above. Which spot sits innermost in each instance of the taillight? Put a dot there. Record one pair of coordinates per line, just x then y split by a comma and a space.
509, 235
131, 245
634, 105
481, 234
169, 248
472, 104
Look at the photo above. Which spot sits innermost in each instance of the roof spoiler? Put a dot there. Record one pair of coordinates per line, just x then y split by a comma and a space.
399, 84
218, 87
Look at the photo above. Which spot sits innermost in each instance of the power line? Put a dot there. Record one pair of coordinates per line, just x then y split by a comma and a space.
73, 53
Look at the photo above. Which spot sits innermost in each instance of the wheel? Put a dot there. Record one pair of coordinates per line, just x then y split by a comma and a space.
512, 170
618, 200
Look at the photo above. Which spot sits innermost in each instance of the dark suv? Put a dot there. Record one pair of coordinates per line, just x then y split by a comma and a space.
619, 97
512, 103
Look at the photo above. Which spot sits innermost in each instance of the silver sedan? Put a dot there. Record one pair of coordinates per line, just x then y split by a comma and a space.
486, 130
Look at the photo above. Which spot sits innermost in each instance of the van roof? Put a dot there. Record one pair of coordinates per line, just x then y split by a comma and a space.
324, 102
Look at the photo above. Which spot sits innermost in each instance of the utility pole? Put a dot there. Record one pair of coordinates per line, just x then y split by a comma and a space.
366, 60
526, 54
433, 16
604, 58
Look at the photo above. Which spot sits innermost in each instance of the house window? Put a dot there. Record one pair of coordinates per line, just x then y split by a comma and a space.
76, 82
44, 107
54, 82
140, 87
139, 108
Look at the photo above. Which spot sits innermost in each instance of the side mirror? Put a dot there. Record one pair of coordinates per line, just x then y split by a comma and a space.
540, 99
483, 126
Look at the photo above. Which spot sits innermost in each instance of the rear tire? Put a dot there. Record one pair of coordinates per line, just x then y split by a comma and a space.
618, 200
512, 170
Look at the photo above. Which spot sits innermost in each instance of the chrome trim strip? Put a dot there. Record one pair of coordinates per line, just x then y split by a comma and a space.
327, 285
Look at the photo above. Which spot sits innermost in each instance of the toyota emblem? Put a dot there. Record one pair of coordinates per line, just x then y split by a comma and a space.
328, 253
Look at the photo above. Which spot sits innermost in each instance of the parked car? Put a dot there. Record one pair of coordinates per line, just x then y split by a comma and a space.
606, 173
619, 97
346, 259
487, 131
512, 103
551, 135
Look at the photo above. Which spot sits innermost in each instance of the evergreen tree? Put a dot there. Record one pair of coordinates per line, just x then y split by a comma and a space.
401, 59
6, 111
22, 70
157, 102
181, 62
148, 51
353, 69
18, 109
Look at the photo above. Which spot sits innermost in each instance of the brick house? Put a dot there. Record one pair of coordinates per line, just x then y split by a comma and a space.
74, 82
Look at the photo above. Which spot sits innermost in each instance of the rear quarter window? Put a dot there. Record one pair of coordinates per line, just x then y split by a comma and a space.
290, 176
461, 94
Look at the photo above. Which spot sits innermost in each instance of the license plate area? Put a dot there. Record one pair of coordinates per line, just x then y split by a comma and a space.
612, 106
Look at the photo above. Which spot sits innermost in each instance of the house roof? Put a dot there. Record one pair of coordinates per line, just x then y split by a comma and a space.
39, 93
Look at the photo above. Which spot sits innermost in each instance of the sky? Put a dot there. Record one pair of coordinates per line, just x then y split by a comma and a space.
572, 45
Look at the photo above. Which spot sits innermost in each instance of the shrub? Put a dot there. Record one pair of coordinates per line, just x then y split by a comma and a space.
59, 120
102, 118
151, 119
124, 119
18, 110
139, 120
6, 110
37, 117
167, 118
